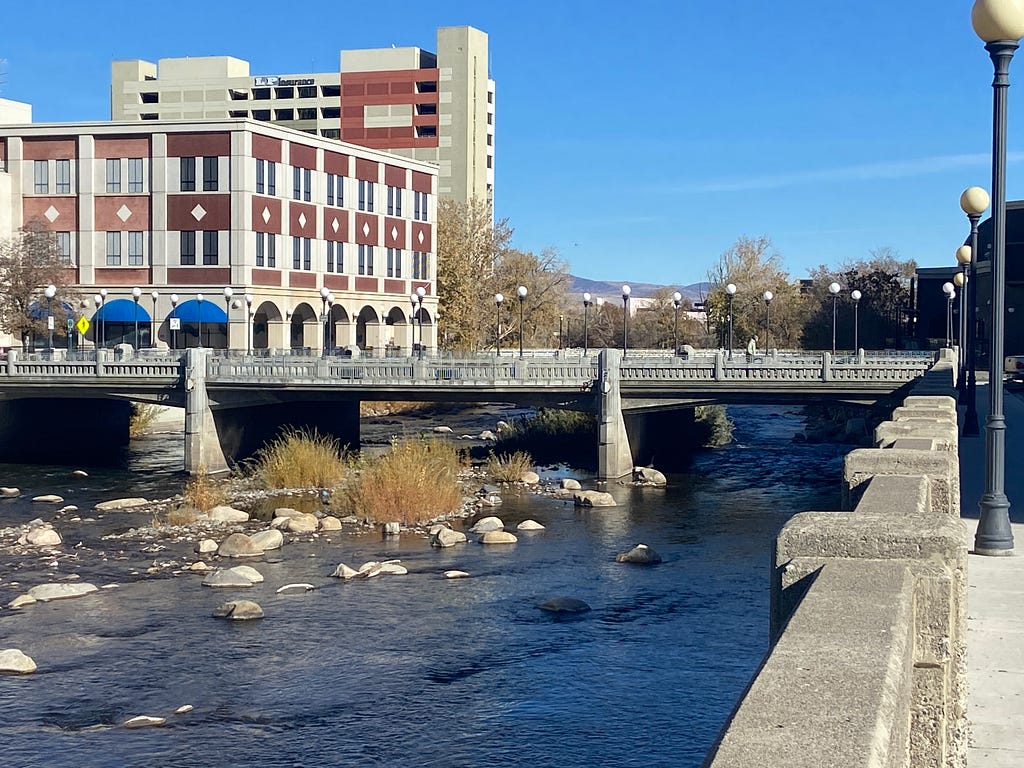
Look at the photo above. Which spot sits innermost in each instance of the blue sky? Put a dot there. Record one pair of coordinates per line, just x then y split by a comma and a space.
638, 139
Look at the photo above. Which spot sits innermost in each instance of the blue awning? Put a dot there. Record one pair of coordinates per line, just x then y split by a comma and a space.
37, 310
190, 311
121, 311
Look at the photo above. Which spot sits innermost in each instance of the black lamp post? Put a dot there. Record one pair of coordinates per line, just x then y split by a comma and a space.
248, 323
561, 322
228, 293
767, 296
960, 281
521, 295
136, 295
152, 321
103, 317
498, 298
420, 293
730, 290
324, 291
856, 296
174, 321
974, 202
834, 289
1000, 23
677, 299
586, 307
50, 292
626, 290
950, 291
199, 314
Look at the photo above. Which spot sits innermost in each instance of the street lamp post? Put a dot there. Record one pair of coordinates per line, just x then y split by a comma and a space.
174, 320
324, 291
50, 292
974, 202
1000, 23
586, 309
103, 317
228, 293
561, 321
97, 301
950, 291
420, 293
677, 299
521, 295
960, 281
330, 324
498, 298
199, 312
626, 290
248, 323
767, 296
730, 290
152, 321
856, 295
834, 289
136, 295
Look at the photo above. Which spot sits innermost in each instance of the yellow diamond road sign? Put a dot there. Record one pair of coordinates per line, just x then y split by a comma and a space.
82, 325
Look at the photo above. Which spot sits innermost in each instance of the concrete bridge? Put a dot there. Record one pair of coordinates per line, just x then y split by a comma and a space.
234, 403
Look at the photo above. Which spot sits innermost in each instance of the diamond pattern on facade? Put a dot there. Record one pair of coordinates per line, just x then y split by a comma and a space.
124, 213
334, 224
51, 214
366, 229
419, 237
266, 215
302, 220
394, 233
198, 212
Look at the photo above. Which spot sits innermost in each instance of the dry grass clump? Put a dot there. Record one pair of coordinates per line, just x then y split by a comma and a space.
143, 416
415, 481
508, 467
300, 458
202, 492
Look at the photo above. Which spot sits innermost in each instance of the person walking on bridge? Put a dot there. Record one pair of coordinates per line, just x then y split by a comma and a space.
751, 349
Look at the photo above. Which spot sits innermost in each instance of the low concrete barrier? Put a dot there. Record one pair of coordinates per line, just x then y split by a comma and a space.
868, 613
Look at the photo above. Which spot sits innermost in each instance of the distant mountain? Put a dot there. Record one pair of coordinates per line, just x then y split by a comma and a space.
610, 290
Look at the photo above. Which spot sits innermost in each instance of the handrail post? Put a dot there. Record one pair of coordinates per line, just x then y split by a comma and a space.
719, 365
12, 358
826, 366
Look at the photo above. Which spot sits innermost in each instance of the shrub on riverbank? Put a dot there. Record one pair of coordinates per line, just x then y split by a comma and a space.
714, 428
300, 458
553, 436
417, 480
143, 416
508, 467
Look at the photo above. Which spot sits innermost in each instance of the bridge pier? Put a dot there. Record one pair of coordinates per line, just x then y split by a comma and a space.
67, 431
203, 452
614, 457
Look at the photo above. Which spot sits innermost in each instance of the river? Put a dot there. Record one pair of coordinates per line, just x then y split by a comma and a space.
417, 669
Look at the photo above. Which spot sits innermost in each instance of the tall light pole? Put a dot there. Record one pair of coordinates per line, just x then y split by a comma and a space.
330, 324
767, 296
586, 308
950, 291
413, 346
960, 281
856, 296
834, 289
1000, 23
420, 293
677, 299
248, 323
521, 295
174, 320
103, 317
561, 321
626, 290
228, 293
498, 298
974, 202
136, 295
730, 290
97, 301
199, 302
50, 292
324, 291
152, 321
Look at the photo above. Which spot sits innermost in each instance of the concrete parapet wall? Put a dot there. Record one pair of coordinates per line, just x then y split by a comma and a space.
868, 615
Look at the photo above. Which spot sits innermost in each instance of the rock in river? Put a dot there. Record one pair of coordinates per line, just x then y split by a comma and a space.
564, 605
641, 554
226, 514
43, 537
529, 525
498, 537
46, 592
592, 499
127, 503
239, 610
228, 578
143, 721
487, 524
238, 545
268, 539
14, 662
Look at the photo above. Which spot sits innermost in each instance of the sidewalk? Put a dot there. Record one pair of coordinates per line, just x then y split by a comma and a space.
995, 603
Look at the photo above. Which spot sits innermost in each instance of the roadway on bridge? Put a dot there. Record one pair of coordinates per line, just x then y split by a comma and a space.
995, 604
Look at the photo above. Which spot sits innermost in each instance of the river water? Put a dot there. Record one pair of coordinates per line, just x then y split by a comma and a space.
413, 670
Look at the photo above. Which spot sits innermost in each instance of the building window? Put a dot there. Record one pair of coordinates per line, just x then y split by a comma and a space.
261, 172
135, 174
394, 201
365, 259
307, 254
307, 183
188, 248
330, 255
335, 189
113, 175
271, 178
420, 269
394, 262
113, 249
366, 190
210, 244
296, 253
209, 174
307, 92
271, 250
296, 183
261, 244
134, 249
419, 211
42, 177
188, 174
63, 177
63, 245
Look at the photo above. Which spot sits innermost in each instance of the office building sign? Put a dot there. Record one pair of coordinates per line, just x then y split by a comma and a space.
277, 80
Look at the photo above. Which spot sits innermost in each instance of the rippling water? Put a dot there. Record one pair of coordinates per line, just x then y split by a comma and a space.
420, 670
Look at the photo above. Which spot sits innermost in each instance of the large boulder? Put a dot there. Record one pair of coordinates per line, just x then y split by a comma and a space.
344, 572
529, 525
446, 537
564, 605
269, 539
456, 574
570, 484
641, 554
9, 491
43, 537
648, 476
286, 512
302, 523
126, 503
48, 498
238, 545
330, 523
530, 477
14, 662
248, 572
228, 578
239, 610
226, 514
592, 499
144, 721
205, 546
46, 592
393, 568
498, 537
486, 524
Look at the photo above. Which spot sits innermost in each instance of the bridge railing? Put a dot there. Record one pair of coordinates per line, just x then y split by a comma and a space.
102, 363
